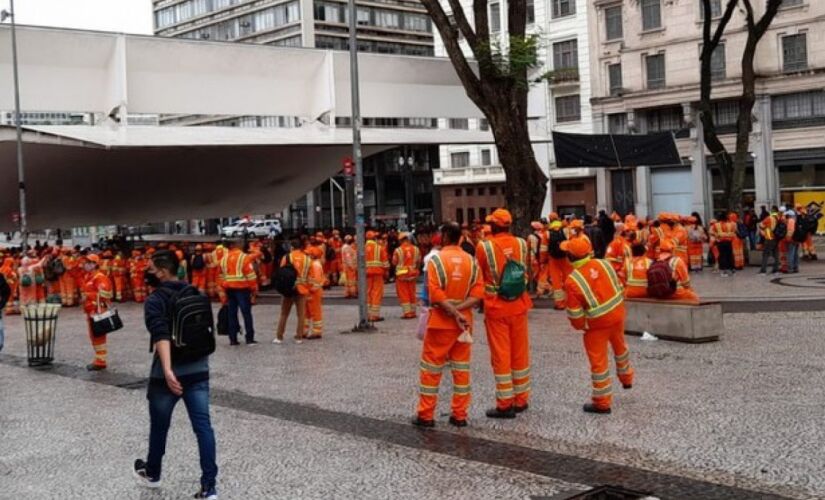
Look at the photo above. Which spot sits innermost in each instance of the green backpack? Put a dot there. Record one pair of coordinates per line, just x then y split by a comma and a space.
512, 283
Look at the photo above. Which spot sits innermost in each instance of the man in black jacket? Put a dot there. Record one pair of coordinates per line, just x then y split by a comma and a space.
5, 293
170, 381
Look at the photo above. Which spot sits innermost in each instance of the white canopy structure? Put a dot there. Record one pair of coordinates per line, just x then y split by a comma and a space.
116, 173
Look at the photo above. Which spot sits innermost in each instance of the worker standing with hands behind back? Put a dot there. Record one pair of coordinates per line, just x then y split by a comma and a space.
455, 287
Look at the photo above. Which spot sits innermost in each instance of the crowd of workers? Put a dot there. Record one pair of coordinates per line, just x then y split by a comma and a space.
586, 266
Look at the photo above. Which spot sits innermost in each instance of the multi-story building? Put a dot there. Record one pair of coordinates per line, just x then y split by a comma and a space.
645, 77
471, 181
44, 118
398, 183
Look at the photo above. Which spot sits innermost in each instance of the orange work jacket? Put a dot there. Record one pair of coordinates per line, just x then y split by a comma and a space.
595, 297
377, 261
492, 255
237, 271
452, 275
407, 261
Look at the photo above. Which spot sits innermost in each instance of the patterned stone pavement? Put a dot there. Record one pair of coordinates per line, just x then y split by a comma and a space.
293, 421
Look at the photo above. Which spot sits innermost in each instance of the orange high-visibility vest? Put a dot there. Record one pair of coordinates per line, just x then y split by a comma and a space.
376, 256
407, 259
452, 275
237, 270
595, 297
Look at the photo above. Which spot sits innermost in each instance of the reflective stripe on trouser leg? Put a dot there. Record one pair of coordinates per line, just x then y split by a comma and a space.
624, 369
460, 369
520, 358
433, 358
375, 292
499, 338
595, 344
521, 386
99, 346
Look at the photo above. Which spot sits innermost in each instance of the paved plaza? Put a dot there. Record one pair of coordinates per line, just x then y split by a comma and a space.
739, 418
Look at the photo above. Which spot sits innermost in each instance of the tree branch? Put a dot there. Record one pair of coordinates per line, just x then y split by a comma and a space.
471, 82
723, 22
464, 25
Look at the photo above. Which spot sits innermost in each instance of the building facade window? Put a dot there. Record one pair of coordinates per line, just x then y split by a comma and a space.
725, 113
717, 63
495, 17
459, 124
798, 106
471, 214
483, 124
651, 14
791, 3
655, 66
531, 11
469, 191
568, 108
794, 52
460, 160
614, 72
458, 192
486, 157
566, 55
562, 8
617, 123
715, 9
662, 120
614, 30
459, 215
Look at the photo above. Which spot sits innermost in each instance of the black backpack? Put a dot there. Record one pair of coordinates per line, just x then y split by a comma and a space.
556, 237
330, 254
780, 231
193, 326
468, 247
198, 262
742, 231
800, 232
285, 279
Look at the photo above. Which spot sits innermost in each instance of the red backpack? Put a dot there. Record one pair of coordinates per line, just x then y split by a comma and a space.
660, 282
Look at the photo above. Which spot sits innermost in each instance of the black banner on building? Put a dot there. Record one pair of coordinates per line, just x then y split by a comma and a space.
612, 150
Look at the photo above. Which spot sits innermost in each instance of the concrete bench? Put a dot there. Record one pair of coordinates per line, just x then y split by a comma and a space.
674, 320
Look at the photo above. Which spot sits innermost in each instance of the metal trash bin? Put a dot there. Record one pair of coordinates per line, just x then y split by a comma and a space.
40, 321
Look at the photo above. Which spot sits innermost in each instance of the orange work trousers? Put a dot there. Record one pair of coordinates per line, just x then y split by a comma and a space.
441, 347
68, 291
314, 320
406, 296
375, 294
595, 345
139, 289
510, 357
351, 275
211, 282
559, 270
199, 280
543, 285
98, 344
119, 284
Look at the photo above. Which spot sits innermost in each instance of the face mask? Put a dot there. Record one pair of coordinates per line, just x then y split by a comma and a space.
151, 280
89, 267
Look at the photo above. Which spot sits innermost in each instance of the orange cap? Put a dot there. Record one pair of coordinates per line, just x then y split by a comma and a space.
577, 224
553, 216
371, 235
179, 254
135, 253
93, 258
500, 217
666, 246
577, 247
537, 225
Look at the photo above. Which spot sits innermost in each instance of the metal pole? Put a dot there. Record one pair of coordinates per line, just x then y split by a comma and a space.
363, 323
331, 204
24, 228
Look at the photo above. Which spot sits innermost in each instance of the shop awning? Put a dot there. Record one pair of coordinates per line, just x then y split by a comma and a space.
615, 150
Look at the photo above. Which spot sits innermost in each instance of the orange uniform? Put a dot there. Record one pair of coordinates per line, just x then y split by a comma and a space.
314, 308
349, 260
31, 282
682, 277
120, 278
656, 236
68, 289
617, 255
506, 321
301, 262
558, 269
98, 293
8, 271
407, 261
679, 236
237, 271
636, 272
452, 275
137, 271
378, 266
595, 304
199, 270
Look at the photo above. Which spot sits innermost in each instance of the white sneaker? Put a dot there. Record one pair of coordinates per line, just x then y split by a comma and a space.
277, 341
299, 341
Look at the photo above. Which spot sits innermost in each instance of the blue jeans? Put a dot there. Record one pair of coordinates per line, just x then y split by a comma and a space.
161, 405
240, 299
793, 257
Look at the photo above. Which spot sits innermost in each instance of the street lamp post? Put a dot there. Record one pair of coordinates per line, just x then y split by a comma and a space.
24, 230
363, 321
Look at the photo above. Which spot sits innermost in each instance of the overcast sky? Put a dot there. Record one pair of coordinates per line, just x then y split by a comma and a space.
129, 16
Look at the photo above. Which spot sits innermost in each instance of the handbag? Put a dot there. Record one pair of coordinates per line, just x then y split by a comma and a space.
106, 322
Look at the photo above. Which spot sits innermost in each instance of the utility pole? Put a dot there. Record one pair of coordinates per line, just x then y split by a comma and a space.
24, 227
364, 325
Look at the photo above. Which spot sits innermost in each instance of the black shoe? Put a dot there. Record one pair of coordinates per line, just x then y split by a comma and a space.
458, 422
590, 408
519, 409
94, 368
419, 422
497, 413
627, 386
234, 342
143, 477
